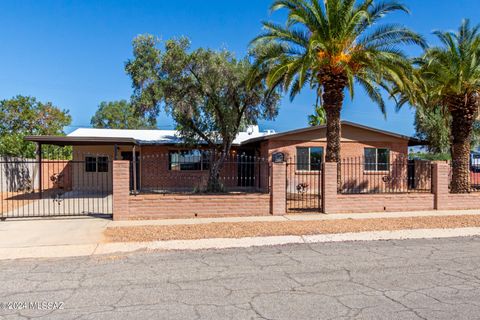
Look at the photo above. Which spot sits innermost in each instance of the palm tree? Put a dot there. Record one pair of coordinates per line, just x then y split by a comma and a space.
448, 77
333, 44
318, 118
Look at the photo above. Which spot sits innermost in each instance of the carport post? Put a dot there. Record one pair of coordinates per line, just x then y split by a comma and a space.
134, 170
39, 161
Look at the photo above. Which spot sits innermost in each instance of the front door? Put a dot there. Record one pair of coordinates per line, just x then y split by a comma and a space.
128, 155
246, 168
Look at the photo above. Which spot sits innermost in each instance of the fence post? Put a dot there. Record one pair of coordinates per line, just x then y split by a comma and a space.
440, 177
121, 189
329, 187
278, 192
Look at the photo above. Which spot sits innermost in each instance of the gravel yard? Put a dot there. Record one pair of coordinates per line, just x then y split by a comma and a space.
256, 229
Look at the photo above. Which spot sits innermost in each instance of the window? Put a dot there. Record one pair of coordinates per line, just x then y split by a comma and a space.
189, 160
377, 159
96, 164
309, 159
102, 164
90, 164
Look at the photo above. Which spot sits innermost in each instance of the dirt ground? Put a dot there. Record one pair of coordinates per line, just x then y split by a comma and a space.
13, 200
255, 229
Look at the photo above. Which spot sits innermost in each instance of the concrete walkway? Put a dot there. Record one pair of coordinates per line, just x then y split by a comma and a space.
80, 236
296, 217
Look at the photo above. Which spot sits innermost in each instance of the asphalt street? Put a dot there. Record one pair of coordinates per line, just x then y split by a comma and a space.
407, 279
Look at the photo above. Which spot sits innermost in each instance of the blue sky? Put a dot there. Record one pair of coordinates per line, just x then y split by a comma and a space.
72, 53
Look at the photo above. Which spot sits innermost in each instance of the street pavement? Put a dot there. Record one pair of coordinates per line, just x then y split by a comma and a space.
396, 279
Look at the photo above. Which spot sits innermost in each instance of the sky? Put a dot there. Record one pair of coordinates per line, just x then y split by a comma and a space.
72, 53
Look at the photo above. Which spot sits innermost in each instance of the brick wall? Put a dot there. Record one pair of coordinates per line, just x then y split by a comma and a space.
350, 149
121, 189
334, 202
439, 199
158, 206
278, 200
190, 206
155, 174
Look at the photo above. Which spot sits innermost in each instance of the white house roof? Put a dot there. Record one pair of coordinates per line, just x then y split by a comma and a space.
157, 136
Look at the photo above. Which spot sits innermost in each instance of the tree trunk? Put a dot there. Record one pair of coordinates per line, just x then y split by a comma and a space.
463, 111
332, 99
216, 165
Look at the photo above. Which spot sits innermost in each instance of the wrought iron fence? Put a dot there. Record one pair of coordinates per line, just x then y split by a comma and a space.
188, 172
40, 188
473, 174
361, 175
304, 185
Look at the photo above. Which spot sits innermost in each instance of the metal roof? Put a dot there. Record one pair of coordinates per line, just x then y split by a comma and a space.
66, 140
88, 136
85, 136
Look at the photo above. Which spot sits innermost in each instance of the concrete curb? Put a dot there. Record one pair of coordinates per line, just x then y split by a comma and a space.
63, 251
294, 217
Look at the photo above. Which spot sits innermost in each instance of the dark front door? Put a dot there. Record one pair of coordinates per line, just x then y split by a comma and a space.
128, 155
246, 168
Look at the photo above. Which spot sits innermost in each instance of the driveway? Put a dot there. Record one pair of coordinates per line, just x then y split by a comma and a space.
69, 203
407, 279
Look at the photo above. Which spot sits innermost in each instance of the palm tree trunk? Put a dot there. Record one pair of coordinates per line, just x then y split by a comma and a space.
332, 102
463, 113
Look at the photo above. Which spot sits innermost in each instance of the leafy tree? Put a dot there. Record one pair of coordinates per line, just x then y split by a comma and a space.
21, 116
333, 44
210, 94
432, 125
430, 156
120, 115
448, 77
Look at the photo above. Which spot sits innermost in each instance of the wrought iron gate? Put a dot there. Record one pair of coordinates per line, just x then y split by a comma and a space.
304, 186
47, 188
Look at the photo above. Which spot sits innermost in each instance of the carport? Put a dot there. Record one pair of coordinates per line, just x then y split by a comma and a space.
58, 185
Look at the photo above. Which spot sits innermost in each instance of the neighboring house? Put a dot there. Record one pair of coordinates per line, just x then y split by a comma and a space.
163, 163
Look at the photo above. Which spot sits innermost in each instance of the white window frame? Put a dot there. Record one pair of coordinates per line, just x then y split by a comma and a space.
309, 158
376, 160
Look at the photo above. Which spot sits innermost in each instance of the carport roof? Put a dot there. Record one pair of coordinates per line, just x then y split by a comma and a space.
72, 141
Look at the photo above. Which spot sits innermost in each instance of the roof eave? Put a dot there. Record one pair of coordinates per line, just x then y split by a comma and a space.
71, 141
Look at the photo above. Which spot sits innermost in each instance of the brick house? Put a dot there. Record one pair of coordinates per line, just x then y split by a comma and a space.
162, 163
150, 174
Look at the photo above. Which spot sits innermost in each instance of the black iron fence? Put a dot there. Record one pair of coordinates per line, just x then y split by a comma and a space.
360, 175
61, 187
304, 185
188, 172
473, 174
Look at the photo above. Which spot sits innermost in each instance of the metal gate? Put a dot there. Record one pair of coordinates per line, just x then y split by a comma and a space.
48, 188
304, 186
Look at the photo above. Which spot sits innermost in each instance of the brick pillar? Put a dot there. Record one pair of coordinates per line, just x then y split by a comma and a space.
121, 189
329, 187
440, 182
278, 192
